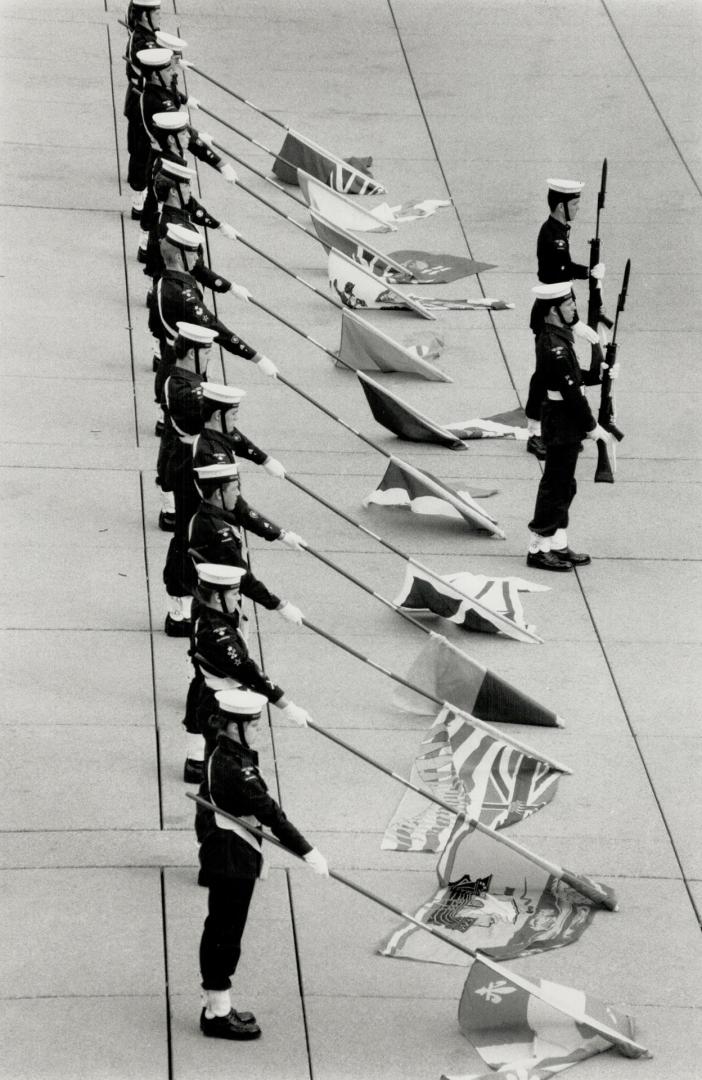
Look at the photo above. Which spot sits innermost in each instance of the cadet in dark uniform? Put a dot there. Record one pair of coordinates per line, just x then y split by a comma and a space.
231, 859
566, 420
555, 265
143, 22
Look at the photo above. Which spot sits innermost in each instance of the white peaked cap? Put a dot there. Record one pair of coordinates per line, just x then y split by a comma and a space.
170, 41
154, 58
241, 702
228, 395
184, 238
219, 471
170, 121
554, 291
199, 335
219, 575
565, 187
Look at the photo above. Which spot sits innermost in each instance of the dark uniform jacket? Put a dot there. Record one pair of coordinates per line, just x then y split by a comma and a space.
179, 299
553, 254
156, 98
219, 647
219, 448
191, 213
238, 787
215, 533
182, 399
558, 370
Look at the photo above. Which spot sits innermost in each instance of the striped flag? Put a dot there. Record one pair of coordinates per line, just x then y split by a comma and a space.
477, 775
351, 175
494, 902
398, 416
526, 1038
448, 673
364, 346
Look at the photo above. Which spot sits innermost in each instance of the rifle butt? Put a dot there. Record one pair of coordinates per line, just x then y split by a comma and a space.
604, 474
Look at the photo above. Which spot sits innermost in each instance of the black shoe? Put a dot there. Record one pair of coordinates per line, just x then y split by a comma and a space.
233, 1026
159, 428
155, 361
536, 446
547, 560
141, 255
181, 627
149, 300
166, 521
136, 214
572, 557
193, 771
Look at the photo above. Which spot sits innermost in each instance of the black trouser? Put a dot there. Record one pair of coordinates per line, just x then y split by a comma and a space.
557, 487
138, 142
220, 945
179, 574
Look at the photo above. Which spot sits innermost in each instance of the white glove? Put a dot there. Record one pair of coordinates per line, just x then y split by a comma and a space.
292, 540
582, 330
296, 713
228, 173
598, 432
228, 230
185, 63
613, 372
290, 613
598, 271
267, 366
193, 102
273, 466
317, 862
240, 292
205, 137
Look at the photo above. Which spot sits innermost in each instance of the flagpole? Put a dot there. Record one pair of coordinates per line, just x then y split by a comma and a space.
286, 270
523, 633
483, 725
510, 976
239, 97
425, 629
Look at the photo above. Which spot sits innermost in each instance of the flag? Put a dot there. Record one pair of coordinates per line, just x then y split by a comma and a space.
337, 208
506, 425
476, 774
451, 675
497, 599
409, 211
358, 287
351, 175
397, 416
363, 346
423, 493
430, 269
334, 236
526, 1038
494, 901
456, 303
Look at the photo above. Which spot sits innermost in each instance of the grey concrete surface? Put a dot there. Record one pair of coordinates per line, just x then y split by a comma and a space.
473, 100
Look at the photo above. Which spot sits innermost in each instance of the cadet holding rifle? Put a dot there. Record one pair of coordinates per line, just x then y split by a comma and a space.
566, 420
604, 474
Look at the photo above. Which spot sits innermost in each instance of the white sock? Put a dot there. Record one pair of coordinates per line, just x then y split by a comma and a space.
539, 543
186, 603
176, 608
559, 540
218, 1003
534, 427
167, 502
143, 240
195, 747
138, 199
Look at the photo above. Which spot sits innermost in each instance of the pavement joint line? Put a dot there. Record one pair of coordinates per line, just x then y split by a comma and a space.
154, 694
135, 401
114, 107
167, 994
298, 971
651, 98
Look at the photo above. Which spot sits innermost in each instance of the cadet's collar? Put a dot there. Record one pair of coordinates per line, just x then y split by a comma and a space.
182, 275
192, 376
561, 226
237, 749
561, 331
219, 511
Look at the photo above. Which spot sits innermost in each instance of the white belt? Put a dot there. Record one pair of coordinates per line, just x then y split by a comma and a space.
554, 395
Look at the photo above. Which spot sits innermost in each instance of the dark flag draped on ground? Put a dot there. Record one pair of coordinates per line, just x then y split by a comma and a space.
505, 425
420, 594
476, 774
523, 1037
451, 675
491, 900
364, 346
357, 287
351, 175
399, 417
431, 269
423, 493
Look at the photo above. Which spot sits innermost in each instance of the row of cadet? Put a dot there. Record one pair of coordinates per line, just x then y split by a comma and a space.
206, 572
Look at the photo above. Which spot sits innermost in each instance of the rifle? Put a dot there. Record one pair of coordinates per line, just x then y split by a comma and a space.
604, 473
595, 314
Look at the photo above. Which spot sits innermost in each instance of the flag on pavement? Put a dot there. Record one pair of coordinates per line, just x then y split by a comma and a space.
446, 672
457, 303
421, 492
527, 1038
495, 596
506, 425
496, 902
361, 251
409, 211
430, 269
476, 774
351, 175
399, 417
364, 346
337, 208
357, 287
